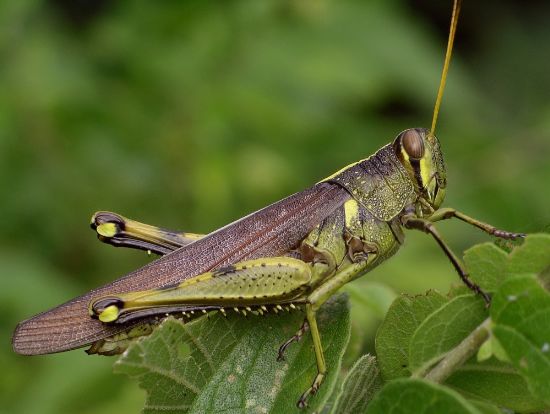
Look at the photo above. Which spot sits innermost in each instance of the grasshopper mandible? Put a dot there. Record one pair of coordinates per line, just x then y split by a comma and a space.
296, 252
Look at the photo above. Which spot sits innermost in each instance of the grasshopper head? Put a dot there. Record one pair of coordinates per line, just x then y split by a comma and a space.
419, 152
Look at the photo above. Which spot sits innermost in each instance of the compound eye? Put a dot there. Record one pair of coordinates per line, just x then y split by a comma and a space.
413, 143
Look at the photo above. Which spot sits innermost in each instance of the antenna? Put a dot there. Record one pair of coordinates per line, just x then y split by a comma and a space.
452, 31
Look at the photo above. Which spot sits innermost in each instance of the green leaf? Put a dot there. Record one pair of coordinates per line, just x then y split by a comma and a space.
497, 350
533, 256
230, 363
531, 362
496, 382
486, 264
523, 304
444, 329
489, 265
392, 340
521, 312
485, 351
361, 384
372, 296
369, 304
414, 395
485, 408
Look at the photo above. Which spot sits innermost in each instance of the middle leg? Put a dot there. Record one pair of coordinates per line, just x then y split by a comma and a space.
313, 303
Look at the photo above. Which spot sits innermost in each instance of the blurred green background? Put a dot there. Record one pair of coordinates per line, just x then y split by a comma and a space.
191, 114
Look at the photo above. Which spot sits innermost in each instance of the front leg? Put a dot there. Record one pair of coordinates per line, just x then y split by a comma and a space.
447, 213
411, 221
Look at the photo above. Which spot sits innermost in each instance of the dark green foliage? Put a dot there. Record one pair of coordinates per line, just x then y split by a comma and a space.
404, 396
407, 313
231, 364
521, 312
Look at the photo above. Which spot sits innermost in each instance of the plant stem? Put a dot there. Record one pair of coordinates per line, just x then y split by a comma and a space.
460, 354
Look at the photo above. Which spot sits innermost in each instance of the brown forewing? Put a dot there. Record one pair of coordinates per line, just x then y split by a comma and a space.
271, 231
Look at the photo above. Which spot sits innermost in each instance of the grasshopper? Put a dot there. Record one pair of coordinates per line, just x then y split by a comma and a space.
294, 253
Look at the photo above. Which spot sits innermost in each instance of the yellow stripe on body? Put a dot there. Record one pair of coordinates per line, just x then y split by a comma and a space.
423, 166
424, 171
341, 170
351, 211
192, 236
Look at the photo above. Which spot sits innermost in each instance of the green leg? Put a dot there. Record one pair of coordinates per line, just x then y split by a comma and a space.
314, 302
447, 213
120, 231
416, 223
258, 282
319, 356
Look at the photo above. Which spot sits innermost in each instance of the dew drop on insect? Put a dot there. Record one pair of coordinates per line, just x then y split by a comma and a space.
512, 298
545, 347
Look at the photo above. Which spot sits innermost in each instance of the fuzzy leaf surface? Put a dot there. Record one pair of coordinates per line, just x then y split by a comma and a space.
521, 312
403, 318
229, 364
361, 384
444, 329
405, 396
486, 264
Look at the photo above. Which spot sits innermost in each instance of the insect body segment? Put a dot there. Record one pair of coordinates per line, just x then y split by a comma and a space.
350, 241
379, 183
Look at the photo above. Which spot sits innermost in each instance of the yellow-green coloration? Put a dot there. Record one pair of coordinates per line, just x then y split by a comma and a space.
378, 183
120, 231
428, 171
109, 314
191, 236
351, 210
341, 170
107, 230
254, 282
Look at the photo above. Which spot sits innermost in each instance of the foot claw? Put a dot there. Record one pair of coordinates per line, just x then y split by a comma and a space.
486, 298
302, 402
294, 338
283, 347
311, 391
507, 235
